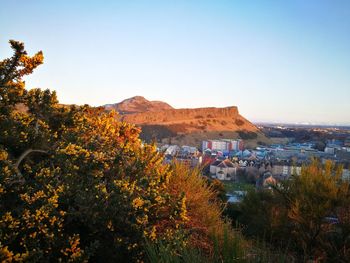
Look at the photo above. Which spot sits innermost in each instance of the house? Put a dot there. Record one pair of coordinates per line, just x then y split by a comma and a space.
246, 154
265, 181
269, 180
189, 150
346, 175
286, 169
172, 150
223, 169
329, 150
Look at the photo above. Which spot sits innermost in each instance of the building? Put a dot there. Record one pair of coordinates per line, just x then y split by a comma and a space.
172, 150
265, 181
329, 150
347, 142
285, 169
224, 145
346, 175
223, 169
189, 150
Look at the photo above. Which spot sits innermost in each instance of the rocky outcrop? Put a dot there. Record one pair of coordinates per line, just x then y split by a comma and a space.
138, 104
159, 120
182, 115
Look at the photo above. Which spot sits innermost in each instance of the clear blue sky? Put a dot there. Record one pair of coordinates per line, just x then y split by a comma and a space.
276, 60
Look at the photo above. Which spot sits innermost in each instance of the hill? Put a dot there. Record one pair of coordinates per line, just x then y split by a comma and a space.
138, 104
161, 122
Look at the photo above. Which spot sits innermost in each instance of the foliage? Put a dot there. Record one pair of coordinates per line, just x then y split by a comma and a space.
203, 209
231, 187
229, 249
11, 72
247, 135
156, 132
75, 183
160, 253
232, 248
219, 188
248, 176
307, 214
211, 239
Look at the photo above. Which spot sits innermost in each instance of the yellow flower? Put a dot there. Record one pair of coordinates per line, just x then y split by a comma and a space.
3, 155
110, 225
159, 199
153, 234
137, 203
183, 213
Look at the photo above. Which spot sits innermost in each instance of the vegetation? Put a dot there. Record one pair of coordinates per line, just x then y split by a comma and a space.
231, 187
239, 122
247, 135
307, 215
156, 132
76, 184
230, 249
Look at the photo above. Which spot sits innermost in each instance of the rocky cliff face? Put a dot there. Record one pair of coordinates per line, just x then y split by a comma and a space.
194, 120
182, 115
159, 120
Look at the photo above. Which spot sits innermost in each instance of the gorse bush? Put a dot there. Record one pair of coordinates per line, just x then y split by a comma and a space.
75, 183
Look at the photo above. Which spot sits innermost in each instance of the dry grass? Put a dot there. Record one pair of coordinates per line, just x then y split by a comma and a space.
203, 209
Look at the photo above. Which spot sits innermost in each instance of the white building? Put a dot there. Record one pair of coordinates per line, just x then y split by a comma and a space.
223, 170
223, 145
172, 150
329, 150
346, 175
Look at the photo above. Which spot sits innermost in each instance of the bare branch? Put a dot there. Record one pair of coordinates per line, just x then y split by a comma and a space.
25, 154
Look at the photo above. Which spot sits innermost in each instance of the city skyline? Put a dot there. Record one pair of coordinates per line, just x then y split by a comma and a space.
278, 62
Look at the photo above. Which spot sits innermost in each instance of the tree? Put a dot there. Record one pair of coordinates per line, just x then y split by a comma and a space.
306, 214
317, 194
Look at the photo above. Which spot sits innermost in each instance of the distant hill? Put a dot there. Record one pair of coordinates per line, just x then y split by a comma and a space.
138, 104
161, 122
